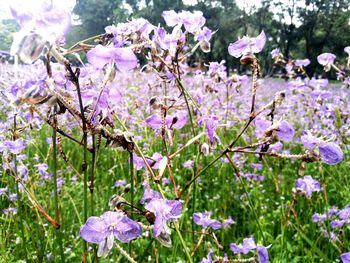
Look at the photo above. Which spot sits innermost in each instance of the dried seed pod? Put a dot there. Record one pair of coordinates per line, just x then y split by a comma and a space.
154, 103
116, 202
205, 149
247, 58
28, 46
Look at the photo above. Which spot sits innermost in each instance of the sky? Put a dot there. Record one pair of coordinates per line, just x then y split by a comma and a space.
29, 5
32, 4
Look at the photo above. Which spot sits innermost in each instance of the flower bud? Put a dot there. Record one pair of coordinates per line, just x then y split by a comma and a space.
205, 150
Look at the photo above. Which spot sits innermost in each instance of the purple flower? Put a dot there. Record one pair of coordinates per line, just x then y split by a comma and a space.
177, 120
42, 168
257, 166
345, 257
171, 18
331, 235
47, 20
318, 218
347, 50
289, 68
188, 164
47, 23
166, 181
192, 21
330, 153
10, 211
102, 230
211, 123
309, 141
120, 183
205, 34
247, 45
15, 147
248, 244
344, 214
209, 258
124, 58
164, 210
332, 211
307, 185
149, 194
302, 62
3, 191
263, 254
285, 131
275, 53
326, 59
204, 220
228, 222
13, 197
217, 69
261, 126
338, 223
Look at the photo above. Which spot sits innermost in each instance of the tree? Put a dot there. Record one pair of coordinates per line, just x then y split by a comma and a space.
7, 29
95, 15
325, 27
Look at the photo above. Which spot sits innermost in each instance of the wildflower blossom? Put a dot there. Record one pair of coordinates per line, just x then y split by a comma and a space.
285, 131
345, 257
275, 53
248, 245
247, 45
330, 153
326, 58
102, 230
307, 185
124, 58
15, 147
164, 210
204, 220
46, 24
302, 62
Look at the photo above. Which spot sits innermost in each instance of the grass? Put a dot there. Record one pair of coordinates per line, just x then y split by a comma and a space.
284, 219
271, 211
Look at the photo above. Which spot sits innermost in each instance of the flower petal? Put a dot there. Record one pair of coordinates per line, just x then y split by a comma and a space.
94, 230
125, 59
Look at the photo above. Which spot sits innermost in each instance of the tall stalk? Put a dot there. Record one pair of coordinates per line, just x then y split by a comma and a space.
74, 78
131, 190
19, 197
92, 186
56, 201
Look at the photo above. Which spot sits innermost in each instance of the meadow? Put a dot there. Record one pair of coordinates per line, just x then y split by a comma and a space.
113, 161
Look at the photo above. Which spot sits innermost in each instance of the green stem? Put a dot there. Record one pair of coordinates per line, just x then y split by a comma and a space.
92, 176
74, 76
183, 243
131, 190
56, 201
19, 197
182, 88
252, 208
92, 187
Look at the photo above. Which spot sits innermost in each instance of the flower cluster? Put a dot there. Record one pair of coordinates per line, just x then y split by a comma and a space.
250, 245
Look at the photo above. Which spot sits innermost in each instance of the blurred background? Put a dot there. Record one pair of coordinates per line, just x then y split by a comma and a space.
300, 28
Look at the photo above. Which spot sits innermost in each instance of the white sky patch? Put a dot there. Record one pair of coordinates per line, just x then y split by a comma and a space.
248, 5
30, 5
